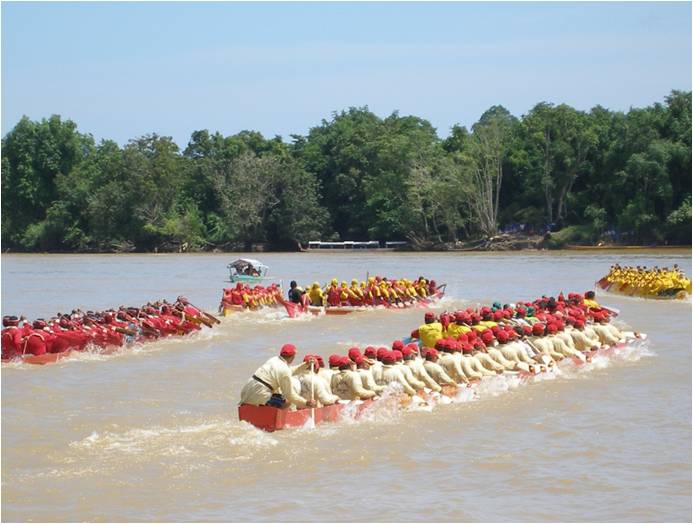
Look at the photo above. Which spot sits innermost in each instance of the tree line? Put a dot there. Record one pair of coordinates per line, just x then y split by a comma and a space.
596, 174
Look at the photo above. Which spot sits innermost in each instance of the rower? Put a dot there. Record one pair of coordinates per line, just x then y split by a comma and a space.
11, 337
317, 297
434, 370
590, 302
391, 373
363, 368
312, 385
347, 383
296, 293
431, 331
416, 365
271, 385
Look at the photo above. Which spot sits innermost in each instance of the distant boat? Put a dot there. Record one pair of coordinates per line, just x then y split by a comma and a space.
248, 271
352, 245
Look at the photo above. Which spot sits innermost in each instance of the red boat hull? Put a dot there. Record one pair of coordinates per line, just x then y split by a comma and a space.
46, 358
272, 419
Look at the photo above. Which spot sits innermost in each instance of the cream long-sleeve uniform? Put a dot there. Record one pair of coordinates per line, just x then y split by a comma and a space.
437, 373
499, 357
408, 374
582, 342
393, 374
561, 347
468, 367
452, 367
376, 370
514, 352
490, 364
326, 375
314, 386
368, 382
614, 331
545, 346
277, 374
347, 385
476, 364
417, 367
604, 334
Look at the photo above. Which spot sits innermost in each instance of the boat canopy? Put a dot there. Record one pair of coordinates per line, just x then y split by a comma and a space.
249, 267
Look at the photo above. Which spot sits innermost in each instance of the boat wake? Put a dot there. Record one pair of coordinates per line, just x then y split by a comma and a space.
93, 353
206, 440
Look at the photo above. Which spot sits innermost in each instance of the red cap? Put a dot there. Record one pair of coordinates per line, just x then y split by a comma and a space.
334, 360
431, 353
369, 352
344, 362
8, 321
462, 337
579, 324
460, 316
472, 335
497, 315
288, 350
407, 351
398, 345
502, 337
389, 357
359, 360
487, 336
398, 355
354, 353
552, 328
467, 348
430, 315
538, 329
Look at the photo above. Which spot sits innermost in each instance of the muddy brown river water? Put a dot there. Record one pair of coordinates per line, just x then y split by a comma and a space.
151, 433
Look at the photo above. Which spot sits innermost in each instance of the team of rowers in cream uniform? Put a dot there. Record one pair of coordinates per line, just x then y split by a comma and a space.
455, 349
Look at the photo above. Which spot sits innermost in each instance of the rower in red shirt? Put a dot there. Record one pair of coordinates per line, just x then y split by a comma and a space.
11, 337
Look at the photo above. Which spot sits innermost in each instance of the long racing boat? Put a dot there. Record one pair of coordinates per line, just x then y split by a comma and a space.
677, 293
294, 309
271, 419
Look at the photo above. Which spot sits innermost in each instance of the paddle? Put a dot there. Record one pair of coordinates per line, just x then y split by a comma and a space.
214, 319
312, 394
290, 307
616, 312
200, 318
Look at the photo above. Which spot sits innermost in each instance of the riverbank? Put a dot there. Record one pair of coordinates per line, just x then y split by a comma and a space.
461, 247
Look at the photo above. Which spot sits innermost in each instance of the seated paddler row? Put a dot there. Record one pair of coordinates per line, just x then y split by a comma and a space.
453, 350
648, 281
373, 292
101, 329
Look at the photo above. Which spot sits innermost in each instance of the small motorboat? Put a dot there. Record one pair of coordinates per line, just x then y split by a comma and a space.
248, 271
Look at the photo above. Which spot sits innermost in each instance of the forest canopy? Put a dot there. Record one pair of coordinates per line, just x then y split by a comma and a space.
619, 176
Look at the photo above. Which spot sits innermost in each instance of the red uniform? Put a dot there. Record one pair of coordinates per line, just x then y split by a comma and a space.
334, 296
11, 341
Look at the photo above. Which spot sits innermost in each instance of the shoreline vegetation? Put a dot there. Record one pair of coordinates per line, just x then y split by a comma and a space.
554, 178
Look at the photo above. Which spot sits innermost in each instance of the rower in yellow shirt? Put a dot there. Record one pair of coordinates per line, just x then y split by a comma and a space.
431, 331
317, 297
590, 302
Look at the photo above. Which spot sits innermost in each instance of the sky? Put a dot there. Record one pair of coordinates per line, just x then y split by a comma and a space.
123, 70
